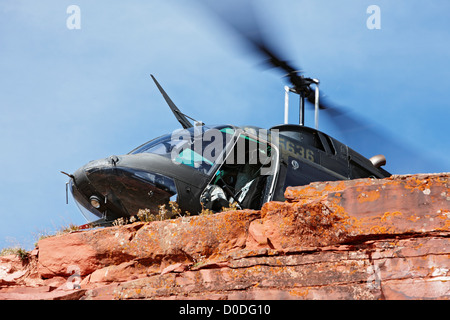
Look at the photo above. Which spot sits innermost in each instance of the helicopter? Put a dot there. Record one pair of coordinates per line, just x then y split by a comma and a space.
214, 167
201, 166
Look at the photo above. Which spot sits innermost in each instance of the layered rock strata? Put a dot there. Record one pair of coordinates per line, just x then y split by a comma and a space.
358, 239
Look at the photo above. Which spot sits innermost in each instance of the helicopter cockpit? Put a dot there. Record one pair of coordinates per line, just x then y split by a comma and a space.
245, 177
236, 160
197, 147
202, 167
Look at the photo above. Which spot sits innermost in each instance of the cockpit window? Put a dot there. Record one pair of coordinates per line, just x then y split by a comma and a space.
151, 146
246, 178
191, 158
197, 147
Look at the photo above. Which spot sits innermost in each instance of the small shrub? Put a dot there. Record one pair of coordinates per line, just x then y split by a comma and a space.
206, 212
8, 251
68, 229
232, 207
145, 215
21, 253
120, 222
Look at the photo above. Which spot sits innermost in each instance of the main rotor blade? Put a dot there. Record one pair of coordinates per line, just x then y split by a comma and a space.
178, 114
240, 16
360, 134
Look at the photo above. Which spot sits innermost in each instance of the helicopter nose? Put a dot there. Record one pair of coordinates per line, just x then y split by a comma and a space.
83, 195
113, 191
93, 196
109, 162
95, 164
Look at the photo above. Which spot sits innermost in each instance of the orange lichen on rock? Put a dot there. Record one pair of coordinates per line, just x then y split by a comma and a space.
389, 215
368, 196
313, 190
395, 205
359, 239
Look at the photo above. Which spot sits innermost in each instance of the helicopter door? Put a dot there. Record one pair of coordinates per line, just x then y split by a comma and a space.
245, 180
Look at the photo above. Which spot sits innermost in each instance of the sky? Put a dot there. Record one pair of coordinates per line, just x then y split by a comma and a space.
71, 95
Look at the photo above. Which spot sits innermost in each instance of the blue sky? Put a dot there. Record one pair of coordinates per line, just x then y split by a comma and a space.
71, 96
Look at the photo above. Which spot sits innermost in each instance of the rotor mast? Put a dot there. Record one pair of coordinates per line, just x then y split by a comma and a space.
302, 87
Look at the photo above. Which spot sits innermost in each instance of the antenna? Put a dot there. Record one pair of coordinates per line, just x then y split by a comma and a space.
181, 117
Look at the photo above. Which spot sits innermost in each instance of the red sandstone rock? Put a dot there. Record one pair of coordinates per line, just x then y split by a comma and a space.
360, 239
151, 245
370, 207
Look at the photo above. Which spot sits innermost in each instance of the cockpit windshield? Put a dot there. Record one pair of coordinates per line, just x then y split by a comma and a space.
199, 147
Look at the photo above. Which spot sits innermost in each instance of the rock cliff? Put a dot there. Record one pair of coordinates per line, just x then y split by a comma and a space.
359, 239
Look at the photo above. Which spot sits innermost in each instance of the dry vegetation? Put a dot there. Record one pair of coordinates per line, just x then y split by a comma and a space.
144, 215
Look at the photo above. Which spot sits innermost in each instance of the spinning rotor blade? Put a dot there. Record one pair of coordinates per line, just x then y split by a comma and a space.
360, 134
240, 16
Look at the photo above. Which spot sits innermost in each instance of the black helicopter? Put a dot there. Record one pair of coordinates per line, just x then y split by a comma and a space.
212, 167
